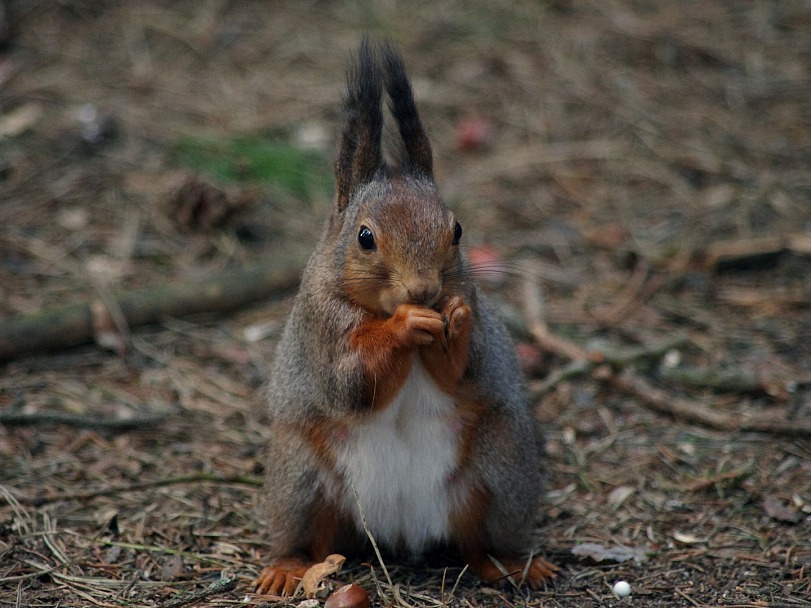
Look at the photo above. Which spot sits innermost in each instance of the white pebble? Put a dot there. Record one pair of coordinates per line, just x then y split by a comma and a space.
622, 589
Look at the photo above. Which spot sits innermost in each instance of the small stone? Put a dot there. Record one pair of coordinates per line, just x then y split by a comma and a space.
622, 589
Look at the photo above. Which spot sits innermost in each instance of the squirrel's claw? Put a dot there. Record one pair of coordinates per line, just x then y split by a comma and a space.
281, 579
455, 313
540, 571
514, 571
418, 325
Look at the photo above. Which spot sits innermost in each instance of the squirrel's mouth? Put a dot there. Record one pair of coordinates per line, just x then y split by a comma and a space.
424, 294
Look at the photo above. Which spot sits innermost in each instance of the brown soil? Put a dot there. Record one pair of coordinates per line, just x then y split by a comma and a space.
648, 162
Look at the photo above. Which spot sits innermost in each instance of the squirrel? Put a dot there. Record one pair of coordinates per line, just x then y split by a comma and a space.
396, 401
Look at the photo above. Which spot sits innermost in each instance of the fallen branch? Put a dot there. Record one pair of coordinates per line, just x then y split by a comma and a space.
757, 252
736, 475
717, 380
575, 369
77, 324
539, 330
611, 366
84, 422
631, 383
665, 403
600, 357
552, 343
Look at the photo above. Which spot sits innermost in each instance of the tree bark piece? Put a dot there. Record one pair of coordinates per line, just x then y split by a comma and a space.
73, 325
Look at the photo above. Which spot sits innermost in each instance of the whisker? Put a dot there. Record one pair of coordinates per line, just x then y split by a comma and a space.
545, 272
486, 271
362, 280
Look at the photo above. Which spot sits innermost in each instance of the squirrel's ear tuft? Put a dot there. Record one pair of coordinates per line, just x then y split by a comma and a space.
416, 157
359, 155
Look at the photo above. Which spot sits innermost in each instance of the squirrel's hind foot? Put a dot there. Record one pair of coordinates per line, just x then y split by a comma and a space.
537, 574
282, 578
540, 572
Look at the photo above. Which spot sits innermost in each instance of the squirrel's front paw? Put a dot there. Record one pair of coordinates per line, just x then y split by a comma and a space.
417, 325
456, 316
447, 357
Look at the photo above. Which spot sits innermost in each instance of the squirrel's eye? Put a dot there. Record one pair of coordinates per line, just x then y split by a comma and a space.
457, 233
366, 239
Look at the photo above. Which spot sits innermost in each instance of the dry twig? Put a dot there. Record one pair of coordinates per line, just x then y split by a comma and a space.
663, 402
626, 380
78, 421
144, 485
226, 583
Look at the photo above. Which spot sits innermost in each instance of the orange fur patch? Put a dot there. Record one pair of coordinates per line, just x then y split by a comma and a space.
385, 362
447, 361
282, 577
469, 522
330, 530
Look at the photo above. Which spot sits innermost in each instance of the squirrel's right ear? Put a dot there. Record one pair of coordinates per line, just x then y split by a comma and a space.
359, 155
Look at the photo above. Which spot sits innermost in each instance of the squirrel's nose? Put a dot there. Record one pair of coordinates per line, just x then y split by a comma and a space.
424, 292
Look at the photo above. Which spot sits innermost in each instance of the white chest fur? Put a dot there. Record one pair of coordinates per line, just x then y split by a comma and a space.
399, 463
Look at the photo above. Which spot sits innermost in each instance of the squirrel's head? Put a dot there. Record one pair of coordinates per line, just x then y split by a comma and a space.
397, 241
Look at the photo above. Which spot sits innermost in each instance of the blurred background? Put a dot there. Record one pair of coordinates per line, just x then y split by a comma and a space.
645, 163
650, 128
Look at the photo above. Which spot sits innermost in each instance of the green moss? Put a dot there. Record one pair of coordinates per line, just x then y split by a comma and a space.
302, 173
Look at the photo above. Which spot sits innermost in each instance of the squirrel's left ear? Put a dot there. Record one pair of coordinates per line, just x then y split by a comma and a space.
359, 155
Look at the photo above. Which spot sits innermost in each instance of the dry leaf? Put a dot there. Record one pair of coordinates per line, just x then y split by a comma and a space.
111, 555
688, 539
775, 509
599, 553
619, 495
223, 548
172, 568
105, 331
312, 581
19, 120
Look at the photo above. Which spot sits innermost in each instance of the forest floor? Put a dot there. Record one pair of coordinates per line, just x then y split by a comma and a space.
643, 166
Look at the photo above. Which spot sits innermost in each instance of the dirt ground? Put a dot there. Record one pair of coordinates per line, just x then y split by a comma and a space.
646, 163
